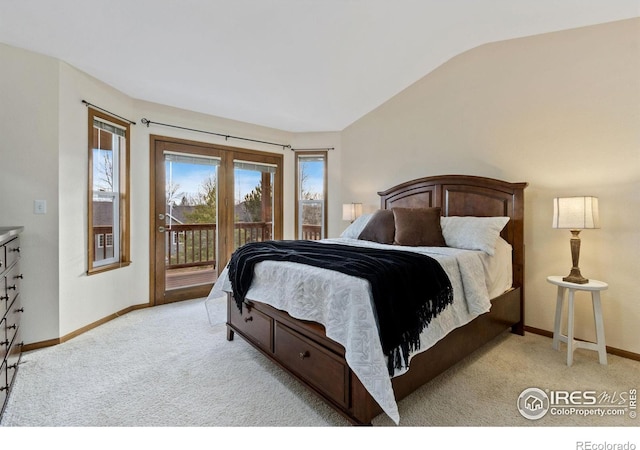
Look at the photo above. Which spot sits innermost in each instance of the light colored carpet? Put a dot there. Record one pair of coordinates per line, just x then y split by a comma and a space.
167, 366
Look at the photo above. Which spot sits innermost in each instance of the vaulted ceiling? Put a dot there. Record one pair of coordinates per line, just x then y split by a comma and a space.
295, 65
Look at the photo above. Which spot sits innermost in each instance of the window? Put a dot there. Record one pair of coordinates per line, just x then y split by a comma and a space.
108, 193
311, 195
254, 201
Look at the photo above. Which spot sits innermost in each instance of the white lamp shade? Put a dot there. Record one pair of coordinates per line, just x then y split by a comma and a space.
576, 213
351, 211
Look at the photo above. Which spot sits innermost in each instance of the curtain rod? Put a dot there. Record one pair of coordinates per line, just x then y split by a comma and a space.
108, 112
147, 122
311, 149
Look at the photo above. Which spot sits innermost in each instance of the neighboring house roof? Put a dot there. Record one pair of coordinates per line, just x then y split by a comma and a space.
102, 214
177, 213
241, 213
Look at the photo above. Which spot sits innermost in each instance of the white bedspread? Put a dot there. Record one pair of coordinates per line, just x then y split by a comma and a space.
343, 304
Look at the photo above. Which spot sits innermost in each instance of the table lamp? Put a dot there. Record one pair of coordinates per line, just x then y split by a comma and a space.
575, 214
351, 211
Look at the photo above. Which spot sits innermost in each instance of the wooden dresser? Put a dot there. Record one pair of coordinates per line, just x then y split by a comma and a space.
11, 307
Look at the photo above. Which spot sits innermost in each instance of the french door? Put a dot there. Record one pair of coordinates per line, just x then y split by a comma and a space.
206, 201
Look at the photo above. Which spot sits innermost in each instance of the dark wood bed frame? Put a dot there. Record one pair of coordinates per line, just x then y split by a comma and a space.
303, 350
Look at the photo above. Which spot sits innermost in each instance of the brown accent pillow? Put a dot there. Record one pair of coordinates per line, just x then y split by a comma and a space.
380, 228
418, 227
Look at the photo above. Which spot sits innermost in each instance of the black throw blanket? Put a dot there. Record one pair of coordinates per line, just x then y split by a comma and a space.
409, 289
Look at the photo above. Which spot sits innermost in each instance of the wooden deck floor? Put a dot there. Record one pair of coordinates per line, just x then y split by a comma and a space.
176, 279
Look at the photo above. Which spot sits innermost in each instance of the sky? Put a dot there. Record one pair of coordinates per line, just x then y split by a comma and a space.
315, 179
189, 177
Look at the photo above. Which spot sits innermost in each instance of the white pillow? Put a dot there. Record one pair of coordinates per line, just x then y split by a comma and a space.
355, 228
499, 268
472, 233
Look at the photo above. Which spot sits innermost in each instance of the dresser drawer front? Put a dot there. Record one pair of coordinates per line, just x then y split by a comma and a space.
12, 281
4, 391
4, 342
3, 257
313, 363
12, 249
252, 324
13, 318
13, 357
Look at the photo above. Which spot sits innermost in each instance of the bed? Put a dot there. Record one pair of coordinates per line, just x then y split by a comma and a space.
337, 355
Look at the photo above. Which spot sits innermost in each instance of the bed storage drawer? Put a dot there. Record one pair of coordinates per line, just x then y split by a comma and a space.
252, 324
313, 363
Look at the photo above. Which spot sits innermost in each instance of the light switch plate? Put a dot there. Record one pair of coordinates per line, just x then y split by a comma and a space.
39, 206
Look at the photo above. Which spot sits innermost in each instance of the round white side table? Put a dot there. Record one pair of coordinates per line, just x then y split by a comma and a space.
593, 286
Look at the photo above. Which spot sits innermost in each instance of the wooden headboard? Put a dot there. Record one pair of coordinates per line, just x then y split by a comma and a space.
465, 195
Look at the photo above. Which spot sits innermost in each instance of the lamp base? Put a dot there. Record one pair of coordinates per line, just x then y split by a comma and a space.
575, 277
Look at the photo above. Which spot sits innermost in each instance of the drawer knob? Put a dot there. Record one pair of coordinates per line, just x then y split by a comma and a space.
248, 319
5, 342
304, 354
16, 249
12, 287
12, 327
19, 310
5, 297
19, 276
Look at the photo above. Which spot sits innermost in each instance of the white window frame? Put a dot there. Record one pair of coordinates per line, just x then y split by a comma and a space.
113, 197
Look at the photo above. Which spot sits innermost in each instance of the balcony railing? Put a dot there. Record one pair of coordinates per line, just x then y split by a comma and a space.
195, 245
190, 245
312, 232
246, 232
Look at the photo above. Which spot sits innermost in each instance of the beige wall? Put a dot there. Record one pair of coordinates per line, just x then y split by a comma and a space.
560, 111
86, 299
29, 171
